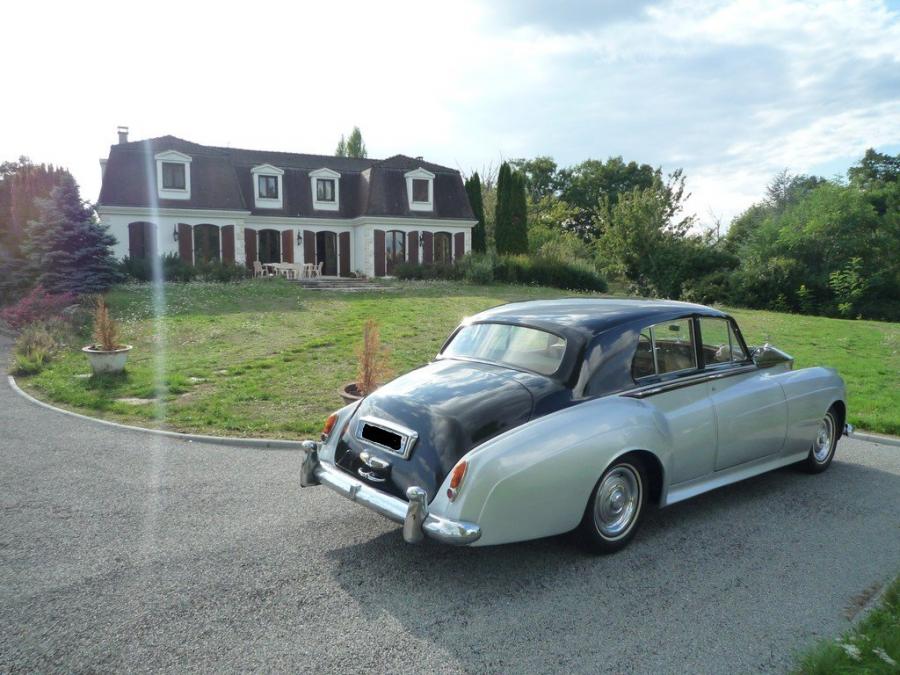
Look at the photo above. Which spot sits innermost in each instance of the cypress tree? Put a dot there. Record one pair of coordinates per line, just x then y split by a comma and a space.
518, 214
473, 190
502, 234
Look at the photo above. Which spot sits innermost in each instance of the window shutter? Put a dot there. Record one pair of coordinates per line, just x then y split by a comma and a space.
412, 250
287, 246
309, 247
459, 245
427, 248
150, 240
228, 244
379, 253
135, 240
249, 246
185, 243
344, 248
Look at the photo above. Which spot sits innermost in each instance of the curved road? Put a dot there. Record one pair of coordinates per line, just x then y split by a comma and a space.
123, 551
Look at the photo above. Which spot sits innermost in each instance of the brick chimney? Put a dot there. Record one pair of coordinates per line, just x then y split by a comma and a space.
123, 134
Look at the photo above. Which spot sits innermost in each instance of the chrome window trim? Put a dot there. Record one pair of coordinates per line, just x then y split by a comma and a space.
408, 436
643, 391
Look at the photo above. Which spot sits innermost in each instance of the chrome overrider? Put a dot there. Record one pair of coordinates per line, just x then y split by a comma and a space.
413, 515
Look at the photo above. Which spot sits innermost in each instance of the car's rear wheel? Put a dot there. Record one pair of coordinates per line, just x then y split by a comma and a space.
822, 451
615, 508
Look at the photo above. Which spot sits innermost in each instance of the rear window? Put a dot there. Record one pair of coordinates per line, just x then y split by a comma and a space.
516, 346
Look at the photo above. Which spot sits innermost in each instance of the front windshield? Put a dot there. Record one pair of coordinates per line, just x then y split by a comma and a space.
516, 346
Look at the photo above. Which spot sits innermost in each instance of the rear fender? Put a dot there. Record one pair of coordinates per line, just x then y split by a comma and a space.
535, 480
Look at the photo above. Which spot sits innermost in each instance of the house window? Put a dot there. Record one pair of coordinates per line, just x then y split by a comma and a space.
206, 243
394, 250
268, 187
420, 190
324, 189
443, 251
173, 176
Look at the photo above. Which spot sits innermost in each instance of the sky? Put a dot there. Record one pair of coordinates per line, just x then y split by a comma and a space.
730, 91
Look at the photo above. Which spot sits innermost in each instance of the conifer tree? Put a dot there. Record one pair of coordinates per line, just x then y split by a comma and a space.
518, 214
502, 210
473, 190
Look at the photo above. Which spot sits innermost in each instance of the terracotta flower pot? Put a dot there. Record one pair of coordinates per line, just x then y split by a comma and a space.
103, 362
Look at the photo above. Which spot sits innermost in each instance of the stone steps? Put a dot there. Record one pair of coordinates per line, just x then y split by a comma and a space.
342, 284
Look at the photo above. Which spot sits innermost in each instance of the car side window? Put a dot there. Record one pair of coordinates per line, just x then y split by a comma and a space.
720, 344
665, 348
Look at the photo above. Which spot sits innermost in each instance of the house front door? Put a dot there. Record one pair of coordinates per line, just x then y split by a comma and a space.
326, 252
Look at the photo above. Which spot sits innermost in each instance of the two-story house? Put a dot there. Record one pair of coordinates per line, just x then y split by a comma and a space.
168, 195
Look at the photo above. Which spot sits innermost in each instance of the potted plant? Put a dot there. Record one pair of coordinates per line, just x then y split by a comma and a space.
106, 354
373, 368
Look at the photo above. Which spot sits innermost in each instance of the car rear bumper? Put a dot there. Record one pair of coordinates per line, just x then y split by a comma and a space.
413, 515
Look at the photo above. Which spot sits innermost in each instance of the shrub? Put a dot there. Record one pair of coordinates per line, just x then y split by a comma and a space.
37, 305
477, 268
221, 272
36, 346
373, 367
413, 271
106, 332
574, 275
173, 268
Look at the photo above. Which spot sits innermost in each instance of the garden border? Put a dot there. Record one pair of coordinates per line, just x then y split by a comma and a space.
258, 443
280, 444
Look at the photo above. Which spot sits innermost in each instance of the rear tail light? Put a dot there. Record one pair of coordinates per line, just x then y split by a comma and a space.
456, 479
329, 425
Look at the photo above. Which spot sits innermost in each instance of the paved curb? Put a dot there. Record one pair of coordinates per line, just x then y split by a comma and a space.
876, 438
258, 443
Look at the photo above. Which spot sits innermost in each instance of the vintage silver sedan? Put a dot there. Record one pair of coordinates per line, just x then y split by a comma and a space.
540, 418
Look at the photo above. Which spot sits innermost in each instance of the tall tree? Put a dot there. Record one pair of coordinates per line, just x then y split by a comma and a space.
587, 183
352, 146
541, 176
518, 214
502, 225
473, 190
67, 248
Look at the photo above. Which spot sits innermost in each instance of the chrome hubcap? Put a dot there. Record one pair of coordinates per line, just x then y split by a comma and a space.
824, 435
617, 502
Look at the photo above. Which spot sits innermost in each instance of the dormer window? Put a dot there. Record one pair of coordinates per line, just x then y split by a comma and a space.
420, 189
268, 187
269, 193
326, 189
173, 175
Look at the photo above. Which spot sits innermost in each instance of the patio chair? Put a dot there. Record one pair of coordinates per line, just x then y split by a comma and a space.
258, 269
317, 270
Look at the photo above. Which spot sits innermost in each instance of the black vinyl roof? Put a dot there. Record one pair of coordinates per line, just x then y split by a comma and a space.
592, 315
221, 179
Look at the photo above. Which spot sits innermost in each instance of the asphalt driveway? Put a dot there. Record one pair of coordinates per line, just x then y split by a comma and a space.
122, 551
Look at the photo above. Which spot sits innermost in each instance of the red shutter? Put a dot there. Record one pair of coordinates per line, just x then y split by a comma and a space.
228, 244
459, 245
427, 248
249, 246
412, 247
287, 246
135, 240
344, 249
309, 247
379, 253
185, 245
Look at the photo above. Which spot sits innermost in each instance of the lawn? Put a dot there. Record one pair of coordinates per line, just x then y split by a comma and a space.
871, 648
266, 358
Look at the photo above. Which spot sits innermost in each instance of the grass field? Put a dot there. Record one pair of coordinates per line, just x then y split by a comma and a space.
266, 358
871, 648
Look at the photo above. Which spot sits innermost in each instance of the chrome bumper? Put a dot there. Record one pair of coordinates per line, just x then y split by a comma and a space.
413, 515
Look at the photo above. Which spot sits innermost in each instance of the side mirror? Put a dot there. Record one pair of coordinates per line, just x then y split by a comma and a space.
768, 356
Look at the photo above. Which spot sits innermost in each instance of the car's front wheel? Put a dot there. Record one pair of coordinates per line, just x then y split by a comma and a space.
615, 508
822, 451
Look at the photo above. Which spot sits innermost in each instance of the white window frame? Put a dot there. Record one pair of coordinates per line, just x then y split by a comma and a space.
268, 202
173, 157
328, 174
420, 174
